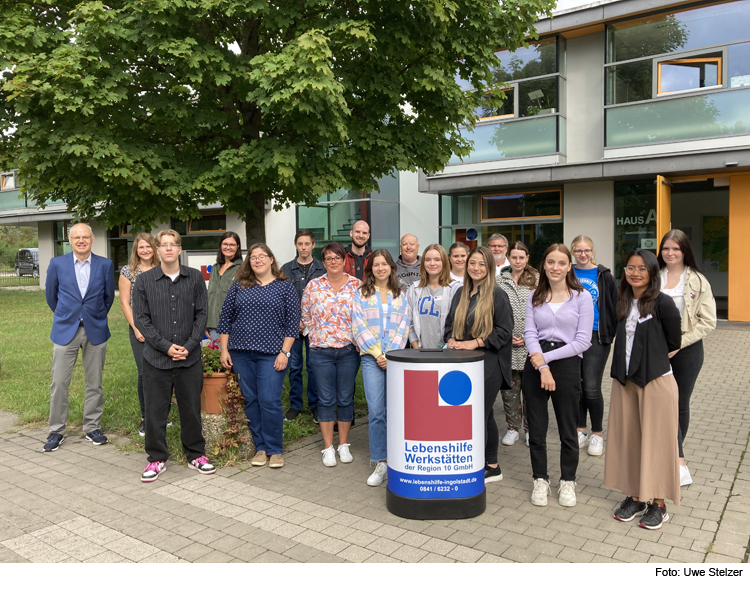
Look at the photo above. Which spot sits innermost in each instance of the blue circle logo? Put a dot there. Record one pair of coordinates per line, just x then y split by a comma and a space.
455, 388
471, 234
209, 268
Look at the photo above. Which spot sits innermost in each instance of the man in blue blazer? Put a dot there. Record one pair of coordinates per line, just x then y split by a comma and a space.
80, 290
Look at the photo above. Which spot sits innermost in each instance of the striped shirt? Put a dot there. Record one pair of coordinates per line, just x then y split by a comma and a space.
171, 312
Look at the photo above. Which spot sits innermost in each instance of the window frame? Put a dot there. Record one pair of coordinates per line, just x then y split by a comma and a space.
512, 86
718, 55
531, 217
206, 215
8, 175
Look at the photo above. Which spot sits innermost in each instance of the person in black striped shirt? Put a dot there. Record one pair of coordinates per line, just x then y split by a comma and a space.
170, 306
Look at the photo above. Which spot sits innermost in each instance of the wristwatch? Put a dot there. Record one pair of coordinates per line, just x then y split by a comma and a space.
287, 353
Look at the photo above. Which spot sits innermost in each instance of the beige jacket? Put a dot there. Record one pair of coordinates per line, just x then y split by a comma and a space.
699, 317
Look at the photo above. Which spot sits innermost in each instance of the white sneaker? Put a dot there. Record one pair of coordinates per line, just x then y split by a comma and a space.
582, 437
596, 445
380, 474
527, 439
510, 437
344, 454
567, 493
329, 457
540, 493
685, 478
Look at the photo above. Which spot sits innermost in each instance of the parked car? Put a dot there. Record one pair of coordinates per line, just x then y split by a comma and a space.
27, 262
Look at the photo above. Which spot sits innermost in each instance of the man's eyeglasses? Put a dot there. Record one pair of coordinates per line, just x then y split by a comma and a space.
169, 245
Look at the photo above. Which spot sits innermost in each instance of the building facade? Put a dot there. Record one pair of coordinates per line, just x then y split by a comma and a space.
625, 119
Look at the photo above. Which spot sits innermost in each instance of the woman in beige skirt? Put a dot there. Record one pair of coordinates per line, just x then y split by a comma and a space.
641, 457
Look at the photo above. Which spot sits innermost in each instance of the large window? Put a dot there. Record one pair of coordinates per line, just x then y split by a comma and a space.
335, 214
525, 119
678, 75
635, 219
533, 217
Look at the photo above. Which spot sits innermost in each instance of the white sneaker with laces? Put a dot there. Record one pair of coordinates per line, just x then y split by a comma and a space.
344, 454
685, 478
567, 493
380, 474
596, 445
510, 437
582, 437
540, 493
329, 457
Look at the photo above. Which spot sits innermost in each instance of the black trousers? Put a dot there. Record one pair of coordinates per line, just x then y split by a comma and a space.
592, 372
492, 385
187, 383
565, 400
686, 365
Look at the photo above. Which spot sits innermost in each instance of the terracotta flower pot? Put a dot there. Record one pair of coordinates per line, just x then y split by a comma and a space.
214, 391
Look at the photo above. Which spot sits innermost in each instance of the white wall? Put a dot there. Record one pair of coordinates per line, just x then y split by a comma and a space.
419, 211
280, 229
589, 209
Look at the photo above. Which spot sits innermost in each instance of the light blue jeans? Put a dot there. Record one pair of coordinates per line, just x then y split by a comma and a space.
375, 391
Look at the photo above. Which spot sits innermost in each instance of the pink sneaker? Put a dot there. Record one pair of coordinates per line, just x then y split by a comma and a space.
153, 470
201, 464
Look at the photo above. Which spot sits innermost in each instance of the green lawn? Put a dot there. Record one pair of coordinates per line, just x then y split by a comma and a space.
26, 357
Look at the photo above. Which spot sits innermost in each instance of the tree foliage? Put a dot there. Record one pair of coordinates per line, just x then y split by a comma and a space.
137, 110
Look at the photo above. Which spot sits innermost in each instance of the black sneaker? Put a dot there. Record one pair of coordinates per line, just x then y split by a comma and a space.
655, 516
54, 441
492, 474
314, 412
291, 414
142, 428
629, 509
97, 437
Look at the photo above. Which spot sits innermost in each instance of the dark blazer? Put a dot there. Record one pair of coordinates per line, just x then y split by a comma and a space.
654, 339
498, 346
64, 299
607, 304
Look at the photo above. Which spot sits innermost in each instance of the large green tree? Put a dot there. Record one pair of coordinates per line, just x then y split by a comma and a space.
136, 110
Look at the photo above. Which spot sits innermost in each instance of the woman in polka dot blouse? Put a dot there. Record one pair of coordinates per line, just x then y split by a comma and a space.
258, 324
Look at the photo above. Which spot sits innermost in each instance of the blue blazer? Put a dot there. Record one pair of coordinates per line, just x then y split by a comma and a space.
64, 299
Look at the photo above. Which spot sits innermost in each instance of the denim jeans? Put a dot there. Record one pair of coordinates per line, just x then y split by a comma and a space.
565, 397
376, 393
592, 372
515, 415
137, 347
335, 372
261, 388
296, 362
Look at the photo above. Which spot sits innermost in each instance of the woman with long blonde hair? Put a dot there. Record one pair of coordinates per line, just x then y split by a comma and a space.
481, 319
430, 299
143, 258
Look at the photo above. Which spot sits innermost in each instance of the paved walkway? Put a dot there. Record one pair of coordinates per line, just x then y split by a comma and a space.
86, 504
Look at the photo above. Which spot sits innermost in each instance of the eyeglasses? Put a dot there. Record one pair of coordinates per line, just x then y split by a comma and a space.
259, 259
169, 245
86, 238
631, 269
228, 245
580, 252
334, 259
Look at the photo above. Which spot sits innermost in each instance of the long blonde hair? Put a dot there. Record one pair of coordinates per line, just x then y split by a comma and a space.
483, 317
445, 273
587, 240
135, 260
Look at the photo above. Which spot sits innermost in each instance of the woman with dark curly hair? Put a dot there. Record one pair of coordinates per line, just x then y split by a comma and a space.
258, 324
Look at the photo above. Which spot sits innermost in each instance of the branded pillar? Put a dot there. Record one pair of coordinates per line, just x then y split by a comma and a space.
435, 434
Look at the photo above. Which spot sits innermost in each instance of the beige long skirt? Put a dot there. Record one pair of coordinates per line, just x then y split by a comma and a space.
641, 458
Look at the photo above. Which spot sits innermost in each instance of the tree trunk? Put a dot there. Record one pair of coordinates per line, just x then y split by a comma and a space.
255, 219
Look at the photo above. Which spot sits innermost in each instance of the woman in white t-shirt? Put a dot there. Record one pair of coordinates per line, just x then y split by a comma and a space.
430, 299
691, 292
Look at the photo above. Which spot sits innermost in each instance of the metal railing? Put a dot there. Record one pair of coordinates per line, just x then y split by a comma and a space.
10, 275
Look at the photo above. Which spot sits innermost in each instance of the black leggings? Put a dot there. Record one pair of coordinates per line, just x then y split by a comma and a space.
492, 385
686, 366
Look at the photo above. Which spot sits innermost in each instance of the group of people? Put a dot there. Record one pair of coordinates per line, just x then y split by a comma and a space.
545, 334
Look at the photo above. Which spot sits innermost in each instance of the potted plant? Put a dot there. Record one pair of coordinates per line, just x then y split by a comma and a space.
214, 379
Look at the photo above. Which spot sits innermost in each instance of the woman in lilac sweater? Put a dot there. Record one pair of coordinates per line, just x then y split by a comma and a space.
559, 320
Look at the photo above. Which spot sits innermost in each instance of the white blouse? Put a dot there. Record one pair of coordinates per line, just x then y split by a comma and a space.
677, 293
